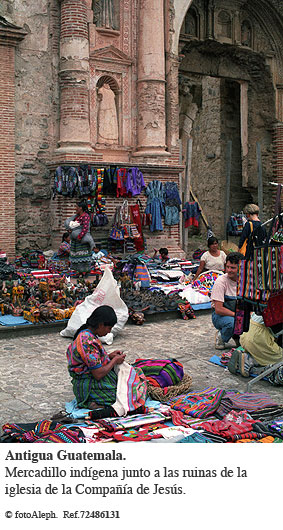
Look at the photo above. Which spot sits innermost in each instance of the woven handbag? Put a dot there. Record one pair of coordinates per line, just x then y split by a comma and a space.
273, 313
117, 233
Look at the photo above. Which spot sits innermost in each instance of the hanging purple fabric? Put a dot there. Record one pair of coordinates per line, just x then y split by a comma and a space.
135, 181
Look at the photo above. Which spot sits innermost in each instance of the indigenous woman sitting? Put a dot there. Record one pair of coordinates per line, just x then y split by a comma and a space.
81, 240
103, 383
64, 249
212, 259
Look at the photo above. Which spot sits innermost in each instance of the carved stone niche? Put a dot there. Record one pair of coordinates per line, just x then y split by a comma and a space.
224, 26
191, 25
246, 34
110, 99
108, 115
106, 15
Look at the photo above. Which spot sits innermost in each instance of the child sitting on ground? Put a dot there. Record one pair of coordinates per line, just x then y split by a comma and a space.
163, 254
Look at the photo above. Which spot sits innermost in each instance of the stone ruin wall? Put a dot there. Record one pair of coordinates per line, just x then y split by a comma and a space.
36, 110
37, 123
204, 66
210, 133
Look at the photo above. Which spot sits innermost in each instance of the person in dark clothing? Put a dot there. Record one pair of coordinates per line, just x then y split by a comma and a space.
253, 226
163, 254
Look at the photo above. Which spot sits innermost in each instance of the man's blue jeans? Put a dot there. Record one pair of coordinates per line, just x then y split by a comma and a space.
225, 325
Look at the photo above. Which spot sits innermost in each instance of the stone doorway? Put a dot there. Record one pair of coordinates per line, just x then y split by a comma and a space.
226, 94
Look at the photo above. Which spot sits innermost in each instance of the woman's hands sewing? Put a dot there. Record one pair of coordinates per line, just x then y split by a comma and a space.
118, 356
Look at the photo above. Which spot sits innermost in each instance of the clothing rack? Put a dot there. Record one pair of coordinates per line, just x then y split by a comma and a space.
269, 220
277, 365
273, 367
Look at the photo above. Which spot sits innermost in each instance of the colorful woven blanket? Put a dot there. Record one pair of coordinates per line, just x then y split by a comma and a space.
200, 404
44, 431
206, 281
161, 372
244, 401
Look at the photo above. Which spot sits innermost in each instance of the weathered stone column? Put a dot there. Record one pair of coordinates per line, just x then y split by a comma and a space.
10, 36
74, 78
151, 80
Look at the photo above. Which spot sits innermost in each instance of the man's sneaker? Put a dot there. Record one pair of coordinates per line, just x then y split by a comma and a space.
219, 344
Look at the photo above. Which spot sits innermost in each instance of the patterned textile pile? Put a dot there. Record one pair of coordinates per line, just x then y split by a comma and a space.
211, 415
205, 281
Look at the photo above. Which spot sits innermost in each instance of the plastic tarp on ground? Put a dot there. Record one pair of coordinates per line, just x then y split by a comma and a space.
107, 292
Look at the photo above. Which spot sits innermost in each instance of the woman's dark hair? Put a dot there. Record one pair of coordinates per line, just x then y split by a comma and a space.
82, 204
212, 240
65, 236
163, 250
103, 314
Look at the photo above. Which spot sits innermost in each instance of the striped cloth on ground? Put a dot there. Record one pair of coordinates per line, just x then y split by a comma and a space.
233, 424
277, 427
43, 432
195, 438
130, 422
267, 439
244, 401
247, 436
268, 413
198, 404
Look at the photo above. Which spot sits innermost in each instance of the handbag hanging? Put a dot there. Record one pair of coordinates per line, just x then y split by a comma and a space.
273, 313
136, 215
117, 231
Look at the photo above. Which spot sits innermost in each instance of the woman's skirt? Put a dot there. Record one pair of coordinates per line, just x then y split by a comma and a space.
127, 391
80, 256
86, 388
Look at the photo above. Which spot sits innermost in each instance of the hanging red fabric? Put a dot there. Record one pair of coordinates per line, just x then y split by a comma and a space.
136, 218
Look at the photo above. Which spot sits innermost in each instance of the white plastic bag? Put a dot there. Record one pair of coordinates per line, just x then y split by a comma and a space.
106, 293
193, 296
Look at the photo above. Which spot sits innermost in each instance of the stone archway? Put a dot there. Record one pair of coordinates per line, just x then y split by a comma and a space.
228, 75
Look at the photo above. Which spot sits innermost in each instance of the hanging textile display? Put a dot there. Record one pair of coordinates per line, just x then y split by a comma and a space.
86, 180
65, 181
236, 224
117, 232
155, 204
122, 182
260, 280
110, 180
172, 204
191, 214
136, 218
135, 182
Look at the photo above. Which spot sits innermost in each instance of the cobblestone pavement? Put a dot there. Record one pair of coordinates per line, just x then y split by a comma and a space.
34, 382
